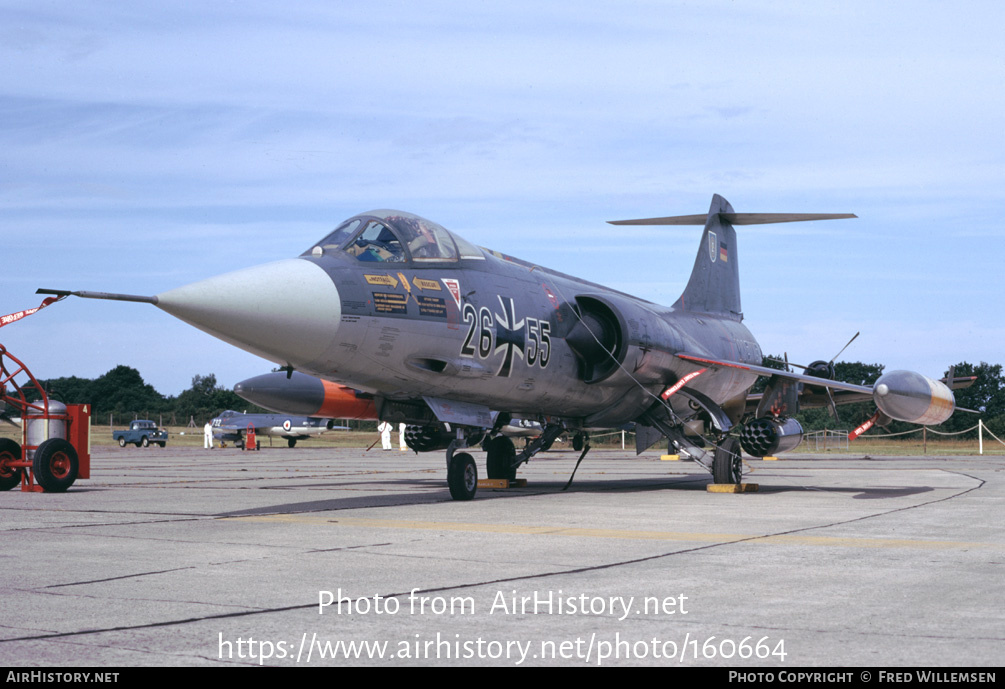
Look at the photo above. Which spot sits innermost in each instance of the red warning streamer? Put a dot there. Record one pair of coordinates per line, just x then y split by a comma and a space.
681, 383
864, 427
14, 317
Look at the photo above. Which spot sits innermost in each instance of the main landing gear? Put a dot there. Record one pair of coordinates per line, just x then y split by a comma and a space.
727, 465
501, 454
720, 454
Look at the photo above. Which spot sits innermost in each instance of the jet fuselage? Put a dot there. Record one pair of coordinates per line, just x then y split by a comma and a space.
484, 329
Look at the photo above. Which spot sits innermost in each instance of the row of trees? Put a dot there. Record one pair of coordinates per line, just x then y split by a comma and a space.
121, 395
986, 396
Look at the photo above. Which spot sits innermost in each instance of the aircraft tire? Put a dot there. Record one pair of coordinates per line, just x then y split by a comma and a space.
10, 476
578, 442
462, 477
727, 465
501, 453
55, 465
292, 442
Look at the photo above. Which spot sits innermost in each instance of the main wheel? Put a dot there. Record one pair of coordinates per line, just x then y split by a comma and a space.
462, 477
10, 476
292, 442
727, 466
501, 454
55, 465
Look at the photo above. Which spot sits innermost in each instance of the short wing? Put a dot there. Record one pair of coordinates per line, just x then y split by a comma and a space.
800, 377
815, 390
813, 393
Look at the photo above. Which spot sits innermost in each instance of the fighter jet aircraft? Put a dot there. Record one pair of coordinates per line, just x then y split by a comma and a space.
232, 426
457, 340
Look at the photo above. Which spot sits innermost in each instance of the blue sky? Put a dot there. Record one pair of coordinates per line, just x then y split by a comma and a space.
146, 145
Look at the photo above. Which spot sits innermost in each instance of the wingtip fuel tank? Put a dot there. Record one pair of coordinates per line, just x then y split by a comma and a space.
912, 397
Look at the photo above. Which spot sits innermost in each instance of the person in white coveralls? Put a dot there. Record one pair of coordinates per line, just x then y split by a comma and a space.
385, 434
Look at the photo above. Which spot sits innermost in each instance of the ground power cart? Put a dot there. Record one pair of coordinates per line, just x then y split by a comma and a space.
55, 447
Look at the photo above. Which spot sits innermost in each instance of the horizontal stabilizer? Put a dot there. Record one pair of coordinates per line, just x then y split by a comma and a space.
737, 218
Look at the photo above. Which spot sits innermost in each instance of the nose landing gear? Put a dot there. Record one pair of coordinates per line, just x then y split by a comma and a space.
462, 477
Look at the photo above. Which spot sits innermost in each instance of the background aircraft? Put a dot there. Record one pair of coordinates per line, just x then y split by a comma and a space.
232, 426
458, 340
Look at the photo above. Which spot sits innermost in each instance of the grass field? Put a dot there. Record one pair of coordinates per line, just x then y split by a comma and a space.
908, 445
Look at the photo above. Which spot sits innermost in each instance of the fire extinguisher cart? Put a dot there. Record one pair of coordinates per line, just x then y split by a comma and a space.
55, 447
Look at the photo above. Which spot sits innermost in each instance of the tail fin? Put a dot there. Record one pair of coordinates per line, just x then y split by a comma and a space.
714, 286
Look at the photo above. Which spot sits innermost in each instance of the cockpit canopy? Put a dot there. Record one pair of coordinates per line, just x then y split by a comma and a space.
388, 236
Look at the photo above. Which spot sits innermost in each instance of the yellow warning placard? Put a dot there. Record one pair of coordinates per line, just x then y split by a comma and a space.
386, 280
423, 284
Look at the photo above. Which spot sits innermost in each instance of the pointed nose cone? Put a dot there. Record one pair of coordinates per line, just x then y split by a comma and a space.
287, 311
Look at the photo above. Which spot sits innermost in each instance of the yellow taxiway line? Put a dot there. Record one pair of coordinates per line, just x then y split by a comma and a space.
627, 534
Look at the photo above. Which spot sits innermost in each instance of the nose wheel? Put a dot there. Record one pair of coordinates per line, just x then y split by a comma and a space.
462, 477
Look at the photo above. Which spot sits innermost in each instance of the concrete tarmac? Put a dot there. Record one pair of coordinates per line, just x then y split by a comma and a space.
313, 556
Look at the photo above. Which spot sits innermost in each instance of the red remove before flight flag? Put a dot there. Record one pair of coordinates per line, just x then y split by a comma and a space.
12, 317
